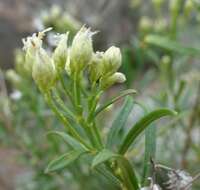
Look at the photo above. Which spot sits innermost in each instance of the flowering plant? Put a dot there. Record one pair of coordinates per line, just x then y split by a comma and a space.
72, 80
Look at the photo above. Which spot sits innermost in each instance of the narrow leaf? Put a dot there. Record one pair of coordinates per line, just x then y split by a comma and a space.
119, 122
113, 100
63, 161
168, 44
128, 173
102, 157
138, 128
150, 150
108, 175
68, 139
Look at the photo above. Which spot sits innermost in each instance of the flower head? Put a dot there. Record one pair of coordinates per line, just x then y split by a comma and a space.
31, 46
81, 49
44, 72
108, 81
112, 60
60, 53
96, 66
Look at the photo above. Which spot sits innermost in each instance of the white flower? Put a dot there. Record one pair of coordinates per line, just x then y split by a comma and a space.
108, 81
112, 60
96, 66
60, 53
34, 41
44, 72
32, 44
81, 49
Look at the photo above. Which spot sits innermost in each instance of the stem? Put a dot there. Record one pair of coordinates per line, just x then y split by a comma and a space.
77, 92
69, 128
64, 87
88, 131
97, 133
62, 105
128, 174
174, 17
92, 104
163, 167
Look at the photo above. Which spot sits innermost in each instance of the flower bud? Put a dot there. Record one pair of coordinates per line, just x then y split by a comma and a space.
158, 3
13, 77
108, 81
31, 46
60, 53
69, 22
55, 11
96, 66
44, 72
164, 66
188, 7
112, 60
160, 25
81, 50
174, 5
67, 64
165, 59
145, 24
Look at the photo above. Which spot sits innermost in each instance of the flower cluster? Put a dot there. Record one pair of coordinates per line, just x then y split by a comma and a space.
101, 66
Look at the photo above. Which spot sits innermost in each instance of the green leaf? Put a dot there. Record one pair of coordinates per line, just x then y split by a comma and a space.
68, 139
102, 157
150, 150
102, 170
138, 128
119, 122
168, 44
121, 95
150, 146
129, 177
63, 161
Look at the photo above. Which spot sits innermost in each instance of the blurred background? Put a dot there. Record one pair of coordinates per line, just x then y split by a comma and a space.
19, 18
159, 40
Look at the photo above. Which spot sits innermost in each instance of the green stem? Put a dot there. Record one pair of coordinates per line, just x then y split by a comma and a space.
92, 104
77, 91
64, 87
61, 117
88, 131
62, 105
97, 134
174, 18
128, 174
